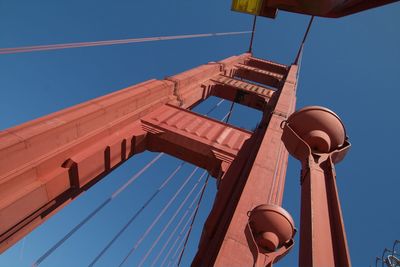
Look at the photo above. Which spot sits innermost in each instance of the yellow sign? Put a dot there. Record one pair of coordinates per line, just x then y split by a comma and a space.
247, 6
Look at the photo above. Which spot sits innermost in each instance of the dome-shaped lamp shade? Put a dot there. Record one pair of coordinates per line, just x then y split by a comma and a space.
319, 127
272, 226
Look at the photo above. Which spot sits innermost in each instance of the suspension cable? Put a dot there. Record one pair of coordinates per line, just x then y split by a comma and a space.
177, 239
104, 203
173, 258
24, 49
137, 213
300, 51
177, 227
211, 110
158, 217
193, 219
146, 203
95, 211
108, 200
252, 34
170, 220
227, 117
229, 113
214, 107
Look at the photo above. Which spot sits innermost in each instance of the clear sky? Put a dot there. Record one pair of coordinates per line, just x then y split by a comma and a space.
350, 65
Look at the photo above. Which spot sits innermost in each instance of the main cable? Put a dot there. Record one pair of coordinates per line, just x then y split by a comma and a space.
36, 48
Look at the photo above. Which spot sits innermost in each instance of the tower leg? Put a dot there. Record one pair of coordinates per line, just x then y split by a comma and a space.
322, 235
316, 137
255, 177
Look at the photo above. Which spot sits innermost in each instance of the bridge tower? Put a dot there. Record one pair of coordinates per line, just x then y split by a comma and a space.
46, 163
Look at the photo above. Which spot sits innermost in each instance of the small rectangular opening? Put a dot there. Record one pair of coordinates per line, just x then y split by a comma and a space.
257, 83
241, 116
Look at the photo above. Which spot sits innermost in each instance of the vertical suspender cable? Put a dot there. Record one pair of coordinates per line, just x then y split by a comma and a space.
103, 204
170, 220
174, 256
252, 34
229, 113
227, 117
94, 212
158, 217
177, 239
133, 249
214, 107
296, 61
177, 227
194, 217
148, 201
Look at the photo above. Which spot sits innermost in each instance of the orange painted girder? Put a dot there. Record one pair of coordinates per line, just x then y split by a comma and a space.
203, 141
242, 92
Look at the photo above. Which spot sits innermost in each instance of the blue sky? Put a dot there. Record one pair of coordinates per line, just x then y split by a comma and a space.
350, 65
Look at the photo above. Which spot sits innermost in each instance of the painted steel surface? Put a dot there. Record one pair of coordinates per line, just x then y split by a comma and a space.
46, 163
317, 137
255, 177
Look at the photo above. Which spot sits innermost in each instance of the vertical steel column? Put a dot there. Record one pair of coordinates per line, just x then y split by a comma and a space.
255, 177
316, 137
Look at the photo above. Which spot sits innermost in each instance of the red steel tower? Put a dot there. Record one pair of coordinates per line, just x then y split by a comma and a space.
316, 136
48, 162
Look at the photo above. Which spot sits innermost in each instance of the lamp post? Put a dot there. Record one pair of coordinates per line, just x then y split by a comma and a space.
317, 137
